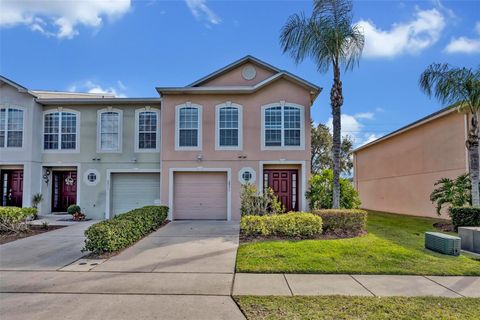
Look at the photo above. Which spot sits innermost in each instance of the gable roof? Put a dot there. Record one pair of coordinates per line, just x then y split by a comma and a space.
430, 117
195, 88
17, 86
231, 66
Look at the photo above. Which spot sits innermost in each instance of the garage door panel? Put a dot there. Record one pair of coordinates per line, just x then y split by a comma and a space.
200, 195
134, 190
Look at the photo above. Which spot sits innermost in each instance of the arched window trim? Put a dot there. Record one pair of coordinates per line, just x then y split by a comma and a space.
283, 104
8, 106
177, 127
77, 131
239, 108
120, 130
137, 133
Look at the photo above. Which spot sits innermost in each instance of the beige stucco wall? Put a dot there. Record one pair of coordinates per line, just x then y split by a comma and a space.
255, 157
398, 174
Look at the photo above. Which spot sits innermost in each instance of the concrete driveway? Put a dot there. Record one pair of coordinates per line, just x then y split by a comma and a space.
47, 251
181, 247
184, 270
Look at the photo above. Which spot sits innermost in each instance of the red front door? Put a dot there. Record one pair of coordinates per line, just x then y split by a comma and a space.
284, 184
12, 188
64, 191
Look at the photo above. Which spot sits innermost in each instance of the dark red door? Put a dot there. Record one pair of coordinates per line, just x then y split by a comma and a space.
285, 185
12, 188
64, 191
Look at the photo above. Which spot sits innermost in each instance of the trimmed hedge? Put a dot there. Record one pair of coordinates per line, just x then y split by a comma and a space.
13, 219
343, 220
293, 224
123, 230
465, 216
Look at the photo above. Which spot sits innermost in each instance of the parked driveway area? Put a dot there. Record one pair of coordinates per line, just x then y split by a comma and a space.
184, 270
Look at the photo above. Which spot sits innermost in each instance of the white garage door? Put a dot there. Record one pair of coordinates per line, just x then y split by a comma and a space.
134, 190
200, 195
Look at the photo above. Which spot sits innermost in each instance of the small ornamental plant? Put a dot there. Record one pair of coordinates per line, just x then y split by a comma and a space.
76, 212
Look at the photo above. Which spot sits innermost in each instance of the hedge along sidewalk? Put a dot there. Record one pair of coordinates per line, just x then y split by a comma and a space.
124, 230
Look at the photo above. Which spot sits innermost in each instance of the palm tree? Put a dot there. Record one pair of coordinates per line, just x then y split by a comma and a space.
459, 87
330, 40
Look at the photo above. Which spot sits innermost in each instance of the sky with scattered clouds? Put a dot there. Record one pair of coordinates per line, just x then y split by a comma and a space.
127, 47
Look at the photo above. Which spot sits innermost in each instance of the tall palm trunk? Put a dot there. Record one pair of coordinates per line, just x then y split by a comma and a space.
473, 156
336, 100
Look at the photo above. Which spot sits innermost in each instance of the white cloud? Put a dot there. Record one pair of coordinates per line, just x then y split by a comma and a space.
92, 87
464, 44
364, 115
403, 38
59, 18
202, 12
353, 127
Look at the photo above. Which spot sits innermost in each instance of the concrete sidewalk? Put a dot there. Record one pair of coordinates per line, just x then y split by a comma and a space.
354, 285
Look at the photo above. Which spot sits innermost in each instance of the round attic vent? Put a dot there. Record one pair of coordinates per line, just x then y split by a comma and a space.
249, 72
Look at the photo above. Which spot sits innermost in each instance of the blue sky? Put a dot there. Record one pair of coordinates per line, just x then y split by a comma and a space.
129, 47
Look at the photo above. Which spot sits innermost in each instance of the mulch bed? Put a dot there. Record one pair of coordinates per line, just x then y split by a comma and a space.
328, 235
445, 226
34, 230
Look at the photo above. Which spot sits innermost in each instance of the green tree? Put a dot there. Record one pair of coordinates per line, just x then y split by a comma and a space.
332, 42
451, 193
321, 153
459, 87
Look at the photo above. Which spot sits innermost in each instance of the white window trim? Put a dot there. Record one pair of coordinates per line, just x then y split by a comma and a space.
120, 130
177, 127
77, 132
11, 106
242, 171
137, 117
88, 182
240, 126
302, 126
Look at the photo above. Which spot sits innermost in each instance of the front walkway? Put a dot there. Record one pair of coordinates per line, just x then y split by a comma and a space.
184, 270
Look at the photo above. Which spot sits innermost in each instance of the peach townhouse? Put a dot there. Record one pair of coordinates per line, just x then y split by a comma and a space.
397, 172
190, 148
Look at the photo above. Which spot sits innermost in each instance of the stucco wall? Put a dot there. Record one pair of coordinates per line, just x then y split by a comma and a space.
234, 77
252, 103
92, 199
398, 174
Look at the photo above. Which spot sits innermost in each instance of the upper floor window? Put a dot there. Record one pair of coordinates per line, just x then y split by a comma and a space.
147, 130
283, 126
11, 128
109, 130
228, 126
60, 130
188, 127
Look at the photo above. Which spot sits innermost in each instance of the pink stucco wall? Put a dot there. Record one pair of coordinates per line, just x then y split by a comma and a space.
251, 103
398, 174
234, 77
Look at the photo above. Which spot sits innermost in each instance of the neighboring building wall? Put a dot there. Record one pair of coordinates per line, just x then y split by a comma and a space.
29, 156
398, 174
255, 157
92, 199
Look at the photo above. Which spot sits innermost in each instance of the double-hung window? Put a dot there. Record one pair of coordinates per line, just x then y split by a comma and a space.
188, 127
109, 130
283, 126
60, 130
147, 130
229, 126
11, 128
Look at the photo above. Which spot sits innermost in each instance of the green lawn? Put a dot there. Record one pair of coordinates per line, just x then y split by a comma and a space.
394, 245
340, 307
